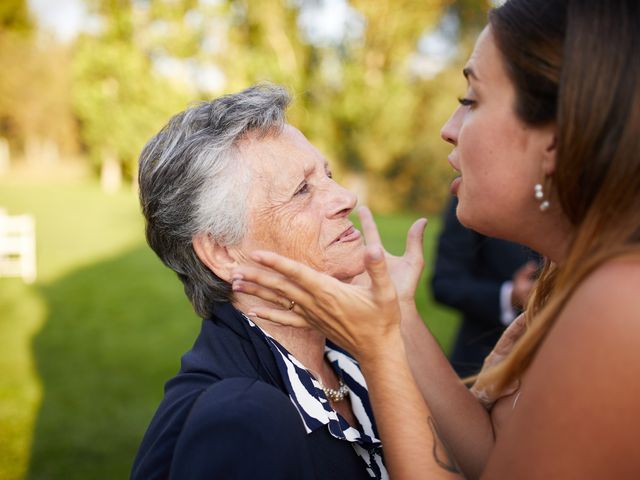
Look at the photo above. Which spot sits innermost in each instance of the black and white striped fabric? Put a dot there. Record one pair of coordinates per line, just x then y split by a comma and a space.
315, 410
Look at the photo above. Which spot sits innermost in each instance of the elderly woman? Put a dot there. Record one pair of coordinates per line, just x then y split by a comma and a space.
252, 399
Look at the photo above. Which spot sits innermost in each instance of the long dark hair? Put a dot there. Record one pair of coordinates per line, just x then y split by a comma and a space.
575, 64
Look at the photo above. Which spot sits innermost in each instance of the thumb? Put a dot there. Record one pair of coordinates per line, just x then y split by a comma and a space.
415, 239
376, 266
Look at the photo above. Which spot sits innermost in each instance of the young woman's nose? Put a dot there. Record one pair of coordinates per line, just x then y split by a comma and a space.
449, 131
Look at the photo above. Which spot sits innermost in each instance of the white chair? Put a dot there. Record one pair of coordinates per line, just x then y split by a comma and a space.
17, 246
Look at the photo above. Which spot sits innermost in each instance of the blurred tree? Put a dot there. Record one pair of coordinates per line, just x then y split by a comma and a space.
370, 97
354, 96
151, 57
14, 16
119, 100
265, 44
359, 97
379, 109
386, 113
421, 176
35, 115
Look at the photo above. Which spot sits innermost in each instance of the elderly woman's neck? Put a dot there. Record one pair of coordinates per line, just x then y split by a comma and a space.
305, 344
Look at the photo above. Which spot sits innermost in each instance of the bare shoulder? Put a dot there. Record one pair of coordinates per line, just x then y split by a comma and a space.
607, 302
576, 415
622, 272
599, 328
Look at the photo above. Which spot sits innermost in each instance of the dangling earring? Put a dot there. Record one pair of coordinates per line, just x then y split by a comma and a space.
539, 194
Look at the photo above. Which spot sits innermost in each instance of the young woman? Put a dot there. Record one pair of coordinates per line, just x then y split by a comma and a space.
547, 144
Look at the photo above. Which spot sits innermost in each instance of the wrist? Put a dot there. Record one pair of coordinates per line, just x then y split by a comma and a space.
384, 349
408, 311
407, 304
409, 317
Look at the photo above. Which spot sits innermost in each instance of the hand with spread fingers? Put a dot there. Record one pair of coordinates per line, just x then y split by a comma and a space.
405, 271
358, 317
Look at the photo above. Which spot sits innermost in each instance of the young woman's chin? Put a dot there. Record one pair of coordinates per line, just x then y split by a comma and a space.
479, 221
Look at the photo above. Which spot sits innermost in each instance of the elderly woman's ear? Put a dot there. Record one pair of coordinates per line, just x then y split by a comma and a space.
219, 259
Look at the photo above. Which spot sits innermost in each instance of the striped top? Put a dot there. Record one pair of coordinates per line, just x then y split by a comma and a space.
315, 410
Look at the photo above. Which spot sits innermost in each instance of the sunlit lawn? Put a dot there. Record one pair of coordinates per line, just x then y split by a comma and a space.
84, 352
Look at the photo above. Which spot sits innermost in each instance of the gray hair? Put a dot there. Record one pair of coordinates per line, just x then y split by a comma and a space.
192, 182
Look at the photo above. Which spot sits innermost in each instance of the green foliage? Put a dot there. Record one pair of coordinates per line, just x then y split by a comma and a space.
358, 99
22, 312
118, 100
180, 27
34, 85
85, 351
14, 16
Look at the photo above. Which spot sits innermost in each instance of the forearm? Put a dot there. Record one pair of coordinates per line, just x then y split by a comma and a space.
463, 423
402, 416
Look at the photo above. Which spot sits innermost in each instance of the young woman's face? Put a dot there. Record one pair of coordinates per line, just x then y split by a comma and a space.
499, 158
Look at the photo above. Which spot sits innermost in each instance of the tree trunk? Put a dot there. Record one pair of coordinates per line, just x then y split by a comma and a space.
110, 173
5, 156
357, 183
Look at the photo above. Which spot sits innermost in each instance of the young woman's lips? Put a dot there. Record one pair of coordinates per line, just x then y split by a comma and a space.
349, 235
453, 161
455, 185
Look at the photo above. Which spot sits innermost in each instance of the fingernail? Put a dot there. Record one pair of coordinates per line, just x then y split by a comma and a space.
256, 256
236, 276
236, 287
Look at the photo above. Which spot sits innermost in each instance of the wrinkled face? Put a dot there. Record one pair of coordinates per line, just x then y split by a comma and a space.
296, 209
500, 159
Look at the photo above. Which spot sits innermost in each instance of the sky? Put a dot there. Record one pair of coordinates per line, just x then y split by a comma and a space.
64, 18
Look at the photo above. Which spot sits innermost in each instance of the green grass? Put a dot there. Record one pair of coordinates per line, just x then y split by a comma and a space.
85, 351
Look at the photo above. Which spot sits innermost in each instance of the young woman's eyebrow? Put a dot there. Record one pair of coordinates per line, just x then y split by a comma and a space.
469, 73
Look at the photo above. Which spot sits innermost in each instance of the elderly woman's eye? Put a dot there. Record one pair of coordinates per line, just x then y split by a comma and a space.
329, 174
304, 188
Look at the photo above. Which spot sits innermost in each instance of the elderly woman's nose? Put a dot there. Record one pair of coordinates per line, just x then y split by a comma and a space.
342, 201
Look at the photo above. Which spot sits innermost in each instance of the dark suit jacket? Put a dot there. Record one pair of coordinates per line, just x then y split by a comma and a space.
225, 416
469, 272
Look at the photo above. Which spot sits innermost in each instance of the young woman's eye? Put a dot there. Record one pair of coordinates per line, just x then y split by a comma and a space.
329, 174
466, 102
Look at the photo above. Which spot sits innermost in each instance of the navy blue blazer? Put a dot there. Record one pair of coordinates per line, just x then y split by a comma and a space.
225, 415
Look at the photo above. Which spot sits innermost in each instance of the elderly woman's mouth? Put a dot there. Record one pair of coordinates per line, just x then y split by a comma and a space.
349, 235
